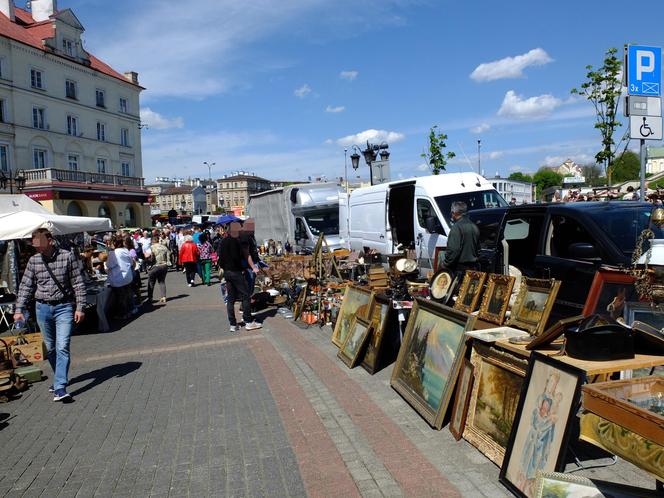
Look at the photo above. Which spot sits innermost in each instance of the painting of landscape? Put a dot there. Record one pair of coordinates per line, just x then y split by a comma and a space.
354, 299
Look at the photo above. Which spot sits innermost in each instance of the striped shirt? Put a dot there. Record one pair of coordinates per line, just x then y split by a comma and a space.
38, 283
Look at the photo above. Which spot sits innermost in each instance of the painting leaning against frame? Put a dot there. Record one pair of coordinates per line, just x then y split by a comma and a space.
540, 432
357, 337
430, 357
354, 299
533, 304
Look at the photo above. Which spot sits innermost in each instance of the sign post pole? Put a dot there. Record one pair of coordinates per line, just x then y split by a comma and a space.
644, 152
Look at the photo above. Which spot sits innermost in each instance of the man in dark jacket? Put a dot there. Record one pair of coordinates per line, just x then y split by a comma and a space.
463, 243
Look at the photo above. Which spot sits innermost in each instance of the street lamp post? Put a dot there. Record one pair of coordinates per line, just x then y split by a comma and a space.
479, 157
11, 180
209, 165
370, 154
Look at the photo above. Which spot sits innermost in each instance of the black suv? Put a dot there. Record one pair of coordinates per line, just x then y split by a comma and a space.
565, 241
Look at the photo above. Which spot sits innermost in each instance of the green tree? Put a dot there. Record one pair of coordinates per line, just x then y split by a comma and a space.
602, 88
627, 167
545, 178
593, 175
520, 177
436, 157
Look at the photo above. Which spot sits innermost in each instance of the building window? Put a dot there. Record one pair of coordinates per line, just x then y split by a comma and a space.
101, 165
3, 116
37, 79
39, 118
101, 132
72, 162
72, 126
100, 98
123, 106
4, 158
70, 89
68, 47
126, 169
39, 158
124, 137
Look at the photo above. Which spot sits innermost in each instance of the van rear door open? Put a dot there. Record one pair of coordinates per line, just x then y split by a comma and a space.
401, 201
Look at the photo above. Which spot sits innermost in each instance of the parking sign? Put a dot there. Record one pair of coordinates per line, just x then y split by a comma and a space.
644, 70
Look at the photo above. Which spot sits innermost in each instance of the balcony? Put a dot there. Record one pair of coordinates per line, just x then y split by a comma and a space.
52, 175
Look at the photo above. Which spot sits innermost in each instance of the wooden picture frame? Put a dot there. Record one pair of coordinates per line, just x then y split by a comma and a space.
300, 302
553, 483
379, 313
648, 313
442, 286
430, 357
496, 298
438, 254
494, 399
470, 291
553, 332
548, 403
609, 291
460, 407
357, 337
354, 298
533, 305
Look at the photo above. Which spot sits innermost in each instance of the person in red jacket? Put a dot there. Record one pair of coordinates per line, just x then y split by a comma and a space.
189, 258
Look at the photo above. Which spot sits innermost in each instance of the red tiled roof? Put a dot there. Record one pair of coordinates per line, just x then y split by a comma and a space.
27, 31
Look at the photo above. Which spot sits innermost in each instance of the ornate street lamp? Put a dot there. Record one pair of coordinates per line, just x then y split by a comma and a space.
370, 155
209, 165
11, 180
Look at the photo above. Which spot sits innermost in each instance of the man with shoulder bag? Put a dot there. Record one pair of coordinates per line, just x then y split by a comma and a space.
53, 279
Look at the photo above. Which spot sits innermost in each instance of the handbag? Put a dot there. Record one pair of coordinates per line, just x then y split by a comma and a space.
66, 295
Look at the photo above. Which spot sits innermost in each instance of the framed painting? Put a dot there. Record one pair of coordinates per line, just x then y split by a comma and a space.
379, 310
470, 291
430, 357
559, 485
496, 334
357, 337
533, 304
438, 258
300, 301
553, 332
493, 400
441, 286
460, 407
540, 432
496, 298
609, 292
354, 299
648, 313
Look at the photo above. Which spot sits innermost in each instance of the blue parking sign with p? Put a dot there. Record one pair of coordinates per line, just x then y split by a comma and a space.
644, 70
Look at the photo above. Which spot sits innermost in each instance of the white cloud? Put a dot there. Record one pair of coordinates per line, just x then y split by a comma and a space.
515, 106
423, 167
519, 169
348, 75
373, 136
496, 154
510, 67
578, 157
156, 121
336, 109
481, 128
303, 91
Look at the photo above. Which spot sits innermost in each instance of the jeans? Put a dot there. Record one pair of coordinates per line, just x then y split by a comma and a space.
206, 267
55, 323
236, 286
157, 274
190, 271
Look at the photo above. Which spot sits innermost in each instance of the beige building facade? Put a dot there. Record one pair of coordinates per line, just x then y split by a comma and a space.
234, 191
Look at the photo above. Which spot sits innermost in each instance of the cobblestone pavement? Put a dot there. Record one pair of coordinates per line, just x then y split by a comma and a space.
172, 404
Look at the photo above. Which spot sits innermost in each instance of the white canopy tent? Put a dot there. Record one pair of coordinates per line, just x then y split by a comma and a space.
20, 216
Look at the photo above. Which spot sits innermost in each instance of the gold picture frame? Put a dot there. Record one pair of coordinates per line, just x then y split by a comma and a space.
533, 304
470, 291
379, 313
496, 298
430, 358
493, 399
460, 406
354, 299
357, 337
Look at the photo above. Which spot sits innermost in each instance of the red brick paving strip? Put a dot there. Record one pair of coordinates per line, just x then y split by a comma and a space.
321, 467
416, 476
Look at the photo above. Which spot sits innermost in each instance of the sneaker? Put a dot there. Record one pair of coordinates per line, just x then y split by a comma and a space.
233, 328
50, 389
253, 326
189, 285
61, 395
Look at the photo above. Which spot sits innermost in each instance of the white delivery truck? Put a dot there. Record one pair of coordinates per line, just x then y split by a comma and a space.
413, 213
298, 214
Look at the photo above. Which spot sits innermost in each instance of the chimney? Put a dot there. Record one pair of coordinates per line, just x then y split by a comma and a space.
132, 76
43, 9
7, 8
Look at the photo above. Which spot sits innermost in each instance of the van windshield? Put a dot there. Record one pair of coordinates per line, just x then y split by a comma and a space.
326, 222
474, 200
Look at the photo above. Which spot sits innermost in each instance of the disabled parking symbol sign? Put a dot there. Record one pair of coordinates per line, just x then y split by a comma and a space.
644, 70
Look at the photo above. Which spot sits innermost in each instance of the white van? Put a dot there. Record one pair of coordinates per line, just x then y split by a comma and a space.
414, 213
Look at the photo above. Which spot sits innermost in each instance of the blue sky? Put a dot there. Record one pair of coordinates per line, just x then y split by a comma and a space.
280, 87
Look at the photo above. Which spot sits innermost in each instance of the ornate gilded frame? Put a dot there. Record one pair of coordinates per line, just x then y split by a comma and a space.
344, 312
535, 325
595, 486
492, 285
479, 277
359, 327
377, 305
460, 407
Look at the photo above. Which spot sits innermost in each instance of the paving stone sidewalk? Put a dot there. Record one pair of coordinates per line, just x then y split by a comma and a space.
172, 404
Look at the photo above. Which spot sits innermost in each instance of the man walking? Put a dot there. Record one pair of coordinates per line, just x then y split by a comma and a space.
230, 260
463, 243
52, 278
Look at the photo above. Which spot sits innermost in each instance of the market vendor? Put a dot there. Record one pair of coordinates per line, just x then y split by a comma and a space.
463, 242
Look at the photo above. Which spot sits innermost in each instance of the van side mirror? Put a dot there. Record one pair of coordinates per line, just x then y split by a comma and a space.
583, 250
433, 225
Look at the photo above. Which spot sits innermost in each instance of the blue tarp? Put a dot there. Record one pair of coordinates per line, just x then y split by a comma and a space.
229, 218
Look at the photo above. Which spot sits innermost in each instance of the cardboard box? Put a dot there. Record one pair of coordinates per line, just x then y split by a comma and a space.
34, 351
